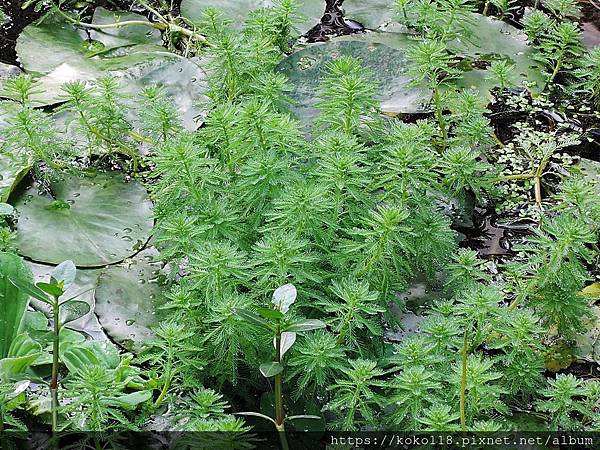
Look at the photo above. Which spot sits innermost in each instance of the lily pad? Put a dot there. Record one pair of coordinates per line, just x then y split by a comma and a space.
12, 170
310, 11
83, 286
588, 344
93, 221
127, 299
8, 71
122, 36
382, 53
495, 40
591, 171
371, 14
133, 53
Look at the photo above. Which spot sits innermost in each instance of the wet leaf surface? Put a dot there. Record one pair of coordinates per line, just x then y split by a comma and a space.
495, 40
309, 13
381, 53
12, 170
127, 299
93, 221
134, 54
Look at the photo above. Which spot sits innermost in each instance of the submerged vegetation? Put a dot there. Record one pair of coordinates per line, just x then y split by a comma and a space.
258, 264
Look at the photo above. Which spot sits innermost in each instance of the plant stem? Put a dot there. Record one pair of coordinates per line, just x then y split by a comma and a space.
279, 414
463, 385
439, 115
168, 26
54, 381
279, 417
485, 8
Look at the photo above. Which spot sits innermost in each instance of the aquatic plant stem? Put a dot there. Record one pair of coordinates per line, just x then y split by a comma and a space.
279, 413
485, 8
54, 380
439, 115
162, 26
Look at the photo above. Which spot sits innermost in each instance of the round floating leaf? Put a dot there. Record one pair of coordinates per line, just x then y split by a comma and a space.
588, 344
93, 221
495, 40
183, 80
591, 171
82, 289
133, 53
371, 14
6, 209
8, 71
12, 170
127, 299
382, 53
309, 12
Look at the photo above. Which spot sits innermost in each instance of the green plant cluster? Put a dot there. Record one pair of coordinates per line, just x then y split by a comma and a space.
287, 247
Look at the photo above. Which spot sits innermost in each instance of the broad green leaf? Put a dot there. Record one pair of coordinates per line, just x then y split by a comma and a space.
127, 300
13, 368
77, 357
287, 340
50, 289
305, 325
6, 209
269, 313
22, 354
384, 54
284, 296
104, 220
30, 289
251, 317
8, 71
73, 310
130, 401
23, 345
271, 369
81, 289
13, 300
65, 272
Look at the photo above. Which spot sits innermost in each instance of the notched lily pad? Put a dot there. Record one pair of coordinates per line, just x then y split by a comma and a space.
382, 53
93, 221
127, 299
